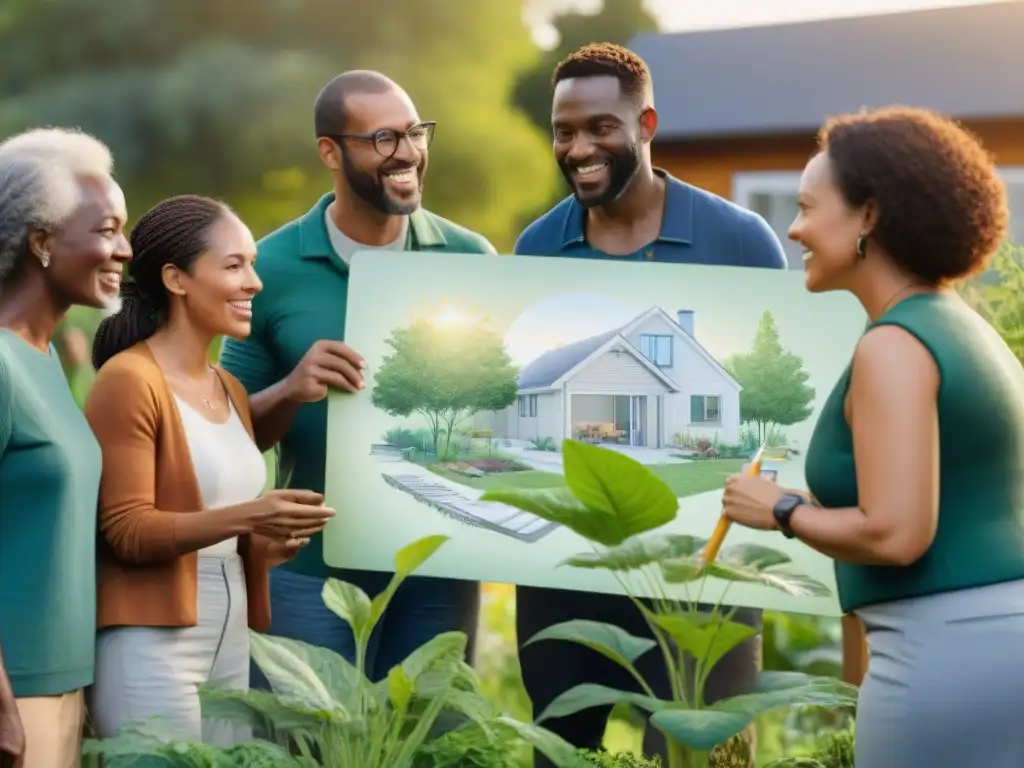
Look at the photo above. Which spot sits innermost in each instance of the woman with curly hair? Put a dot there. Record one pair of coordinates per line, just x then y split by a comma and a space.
914, 468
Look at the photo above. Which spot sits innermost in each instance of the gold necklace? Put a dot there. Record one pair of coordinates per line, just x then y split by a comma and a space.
896, 295
209, 403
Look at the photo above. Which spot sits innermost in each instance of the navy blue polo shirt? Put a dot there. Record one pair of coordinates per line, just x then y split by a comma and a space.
698, 228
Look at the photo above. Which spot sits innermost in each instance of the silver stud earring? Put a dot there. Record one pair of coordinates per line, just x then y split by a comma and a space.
45, 260
862, 246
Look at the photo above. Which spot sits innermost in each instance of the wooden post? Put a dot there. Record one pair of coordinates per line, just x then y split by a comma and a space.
855, 650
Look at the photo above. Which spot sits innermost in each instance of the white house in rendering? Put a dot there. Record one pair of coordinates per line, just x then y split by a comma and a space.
638, 385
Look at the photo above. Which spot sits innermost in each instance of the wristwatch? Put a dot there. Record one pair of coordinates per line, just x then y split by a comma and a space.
783, 511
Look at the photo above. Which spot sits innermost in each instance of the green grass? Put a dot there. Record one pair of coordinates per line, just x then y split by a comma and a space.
683, 479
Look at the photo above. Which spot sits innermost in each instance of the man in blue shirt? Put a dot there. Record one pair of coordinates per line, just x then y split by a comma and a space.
623, 208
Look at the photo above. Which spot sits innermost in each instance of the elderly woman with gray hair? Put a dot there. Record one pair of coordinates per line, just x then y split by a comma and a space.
62, 243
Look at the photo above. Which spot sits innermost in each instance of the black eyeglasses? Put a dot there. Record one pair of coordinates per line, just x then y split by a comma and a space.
386, 141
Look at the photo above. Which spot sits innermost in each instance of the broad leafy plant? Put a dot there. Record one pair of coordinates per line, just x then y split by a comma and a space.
324, 711
616, 502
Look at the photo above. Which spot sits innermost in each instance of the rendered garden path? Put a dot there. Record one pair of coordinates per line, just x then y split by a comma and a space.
457, 500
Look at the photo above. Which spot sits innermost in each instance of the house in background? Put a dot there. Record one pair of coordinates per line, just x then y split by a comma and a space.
638, 385
739, 108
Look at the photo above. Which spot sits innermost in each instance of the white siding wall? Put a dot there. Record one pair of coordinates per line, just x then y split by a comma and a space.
616, 374
695, 376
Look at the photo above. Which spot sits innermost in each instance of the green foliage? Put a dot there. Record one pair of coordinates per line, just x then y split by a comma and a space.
774, 381
428, 713
216, 97
834, 751
445, 373
616, 502
151, 744
998, 296
620, 760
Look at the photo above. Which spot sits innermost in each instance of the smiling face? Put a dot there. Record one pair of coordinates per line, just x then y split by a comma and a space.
827, 228
387, 174
599, 133
87, 253
217, 291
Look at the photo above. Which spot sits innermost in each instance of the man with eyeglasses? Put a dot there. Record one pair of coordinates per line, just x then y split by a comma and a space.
372, 139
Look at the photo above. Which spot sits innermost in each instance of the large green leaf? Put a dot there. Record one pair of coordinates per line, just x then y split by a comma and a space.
707, 637
610, 482
588, 695
702, 729
340, 678
552, 746
438, 664
558, 505
407, 560
706, 728
350, 604
263, 710
639, 551
751, 563
288, 673
610, 641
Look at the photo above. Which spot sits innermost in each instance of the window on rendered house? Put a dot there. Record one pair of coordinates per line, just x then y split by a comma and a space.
705, 409
657, 349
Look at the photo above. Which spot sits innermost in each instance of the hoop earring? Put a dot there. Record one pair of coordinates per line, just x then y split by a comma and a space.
44, 259
862, 246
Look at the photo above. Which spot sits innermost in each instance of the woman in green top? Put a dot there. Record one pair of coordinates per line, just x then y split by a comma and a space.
61, 243
915, 464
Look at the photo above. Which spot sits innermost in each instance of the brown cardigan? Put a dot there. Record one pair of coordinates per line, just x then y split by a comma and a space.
144, 579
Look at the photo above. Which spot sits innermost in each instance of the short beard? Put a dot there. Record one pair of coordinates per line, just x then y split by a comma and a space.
370, 188
623, 168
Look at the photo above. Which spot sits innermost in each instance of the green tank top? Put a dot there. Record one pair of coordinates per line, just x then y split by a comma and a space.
980, 538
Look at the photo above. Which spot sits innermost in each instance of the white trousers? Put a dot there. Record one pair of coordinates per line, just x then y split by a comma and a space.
147, 672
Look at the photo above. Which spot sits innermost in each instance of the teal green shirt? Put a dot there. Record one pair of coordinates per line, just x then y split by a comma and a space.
304, 299
980, 538
50, 466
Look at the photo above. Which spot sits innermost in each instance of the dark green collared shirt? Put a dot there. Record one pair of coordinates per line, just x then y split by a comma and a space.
304, 299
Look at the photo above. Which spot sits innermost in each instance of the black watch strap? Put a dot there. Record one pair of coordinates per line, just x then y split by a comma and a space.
783, 511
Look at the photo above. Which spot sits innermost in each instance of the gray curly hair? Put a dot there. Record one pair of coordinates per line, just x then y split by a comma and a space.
39, 171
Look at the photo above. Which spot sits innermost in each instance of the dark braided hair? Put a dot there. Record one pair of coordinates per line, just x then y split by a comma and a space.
171, 232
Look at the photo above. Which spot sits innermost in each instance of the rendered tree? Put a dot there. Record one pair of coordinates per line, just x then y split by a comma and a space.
774, 381
445, 373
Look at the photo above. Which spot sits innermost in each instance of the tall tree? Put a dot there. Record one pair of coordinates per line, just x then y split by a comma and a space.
215, 96
775, 390
445, 373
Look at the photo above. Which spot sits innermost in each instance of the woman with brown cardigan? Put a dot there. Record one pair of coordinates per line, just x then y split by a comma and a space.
186, 536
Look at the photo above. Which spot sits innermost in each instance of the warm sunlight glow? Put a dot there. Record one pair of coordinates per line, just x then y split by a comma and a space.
447, 313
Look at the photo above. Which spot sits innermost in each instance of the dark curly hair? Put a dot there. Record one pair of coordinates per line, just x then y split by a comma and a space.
171, 232
942, 208
609, 60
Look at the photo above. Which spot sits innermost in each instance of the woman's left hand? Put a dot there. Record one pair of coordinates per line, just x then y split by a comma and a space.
750, 500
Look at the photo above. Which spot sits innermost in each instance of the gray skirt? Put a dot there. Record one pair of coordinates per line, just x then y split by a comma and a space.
945, 681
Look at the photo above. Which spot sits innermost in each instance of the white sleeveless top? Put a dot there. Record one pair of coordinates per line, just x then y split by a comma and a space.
228, 465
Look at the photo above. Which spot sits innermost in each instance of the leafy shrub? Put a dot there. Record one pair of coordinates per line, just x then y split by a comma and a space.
400, 437
617, 503
620, 760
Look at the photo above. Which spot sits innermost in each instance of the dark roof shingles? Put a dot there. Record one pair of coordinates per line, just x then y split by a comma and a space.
962, 61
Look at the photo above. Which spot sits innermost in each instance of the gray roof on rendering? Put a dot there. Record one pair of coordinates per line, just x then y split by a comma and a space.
963, 61
555, 363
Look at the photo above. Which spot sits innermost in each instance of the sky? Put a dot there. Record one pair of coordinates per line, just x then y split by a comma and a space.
683, 15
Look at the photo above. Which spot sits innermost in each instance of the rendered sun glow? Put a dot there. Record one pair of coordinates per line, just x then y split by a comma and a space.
447, 313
